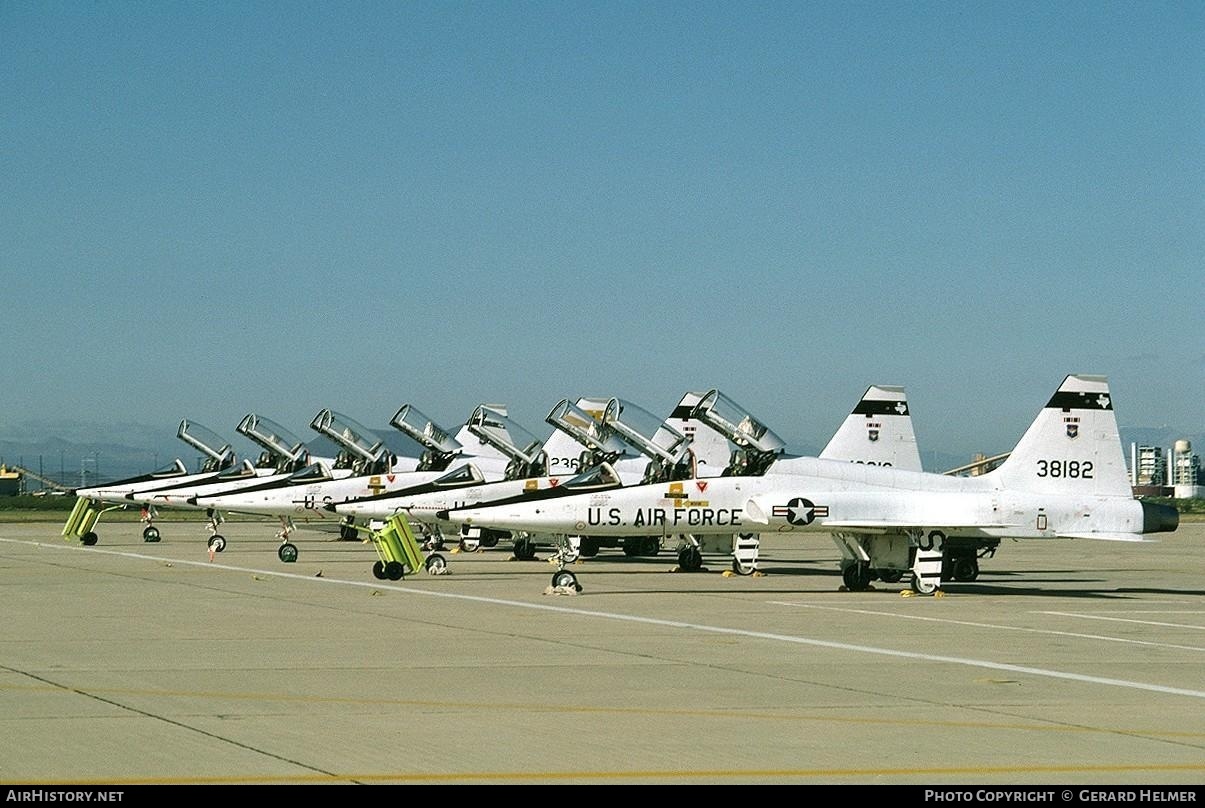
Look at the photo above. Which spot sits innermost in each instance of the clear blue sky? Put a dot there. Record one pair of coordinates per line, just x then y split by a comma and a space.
210, 209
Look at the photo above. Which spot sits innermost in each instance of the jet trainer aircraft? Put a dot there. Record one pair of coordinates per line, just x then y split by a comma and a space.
93, 501
365, 466
283, 455
878, 431
1066, 478
640, 448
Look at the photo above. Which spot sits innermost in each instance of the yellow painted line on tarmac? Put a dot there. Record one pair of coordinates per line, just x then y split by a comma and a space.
654, 774
544, 707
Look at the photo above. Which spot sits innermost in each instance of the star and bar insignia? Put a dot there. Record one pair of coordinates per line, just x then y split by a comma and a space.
799, 511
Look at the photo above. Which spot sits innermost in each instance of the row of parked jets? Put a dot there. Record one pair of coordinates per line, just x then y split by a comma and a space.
709, 478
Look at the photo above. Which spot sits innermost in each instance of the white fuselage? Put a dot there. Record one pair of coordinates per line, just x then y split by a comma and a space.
312, 498
424, 503
819, 495
177, 495
119, 493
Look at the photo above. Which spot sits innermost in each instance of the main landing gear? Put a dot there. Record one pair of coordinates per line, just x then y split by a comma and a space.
927, 559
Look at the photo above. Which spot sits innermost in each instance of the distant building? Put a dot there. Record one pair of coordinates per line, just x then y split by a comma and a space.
1147, 466
1175, 473
1186, 475
10, 482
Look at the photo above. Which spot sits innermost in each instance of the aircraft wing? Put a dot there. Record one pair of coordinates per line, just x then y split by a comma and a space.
1131, 537
887, 525
869, 524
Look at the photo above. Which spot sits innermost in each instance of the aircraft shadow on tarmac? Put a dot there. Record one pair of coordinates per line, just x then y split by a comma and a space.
982, 589
1028, 583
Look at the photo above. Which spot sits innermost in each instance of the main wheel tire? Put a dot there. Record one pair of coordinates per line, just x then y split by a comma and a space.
856, 577
964, 569
588, 548
690, 559
525, 549
150, 534
651, 546
287, 552
633, 547
891, 576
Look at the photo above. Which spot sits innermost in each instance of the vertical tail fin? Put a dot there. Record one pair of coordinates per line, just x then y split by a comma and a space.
1072, 446
878, 431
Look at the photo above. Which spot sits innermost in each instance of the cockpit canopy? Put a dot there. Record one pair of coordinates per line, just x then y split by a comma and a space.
313, 473
439, 446
356, 439
586, 427
459, 477
239, 471
599, 476
176, 468
216, 449
757, 446
494, 428
422, 429
645, 432
281, 447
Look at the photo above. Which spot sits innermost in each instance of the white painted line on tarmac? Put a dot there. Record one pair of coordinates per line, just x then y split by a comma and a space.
653, 621
1147, 611
1123, 620
971, 624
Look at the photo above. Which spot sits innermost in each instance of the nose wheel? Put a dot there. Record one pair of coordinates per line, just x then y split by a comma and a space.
287, 552
217, 543
564, 579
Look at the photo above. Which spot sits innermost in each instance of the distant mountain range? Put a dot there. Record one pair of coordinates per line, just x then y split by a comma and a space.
73, 454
